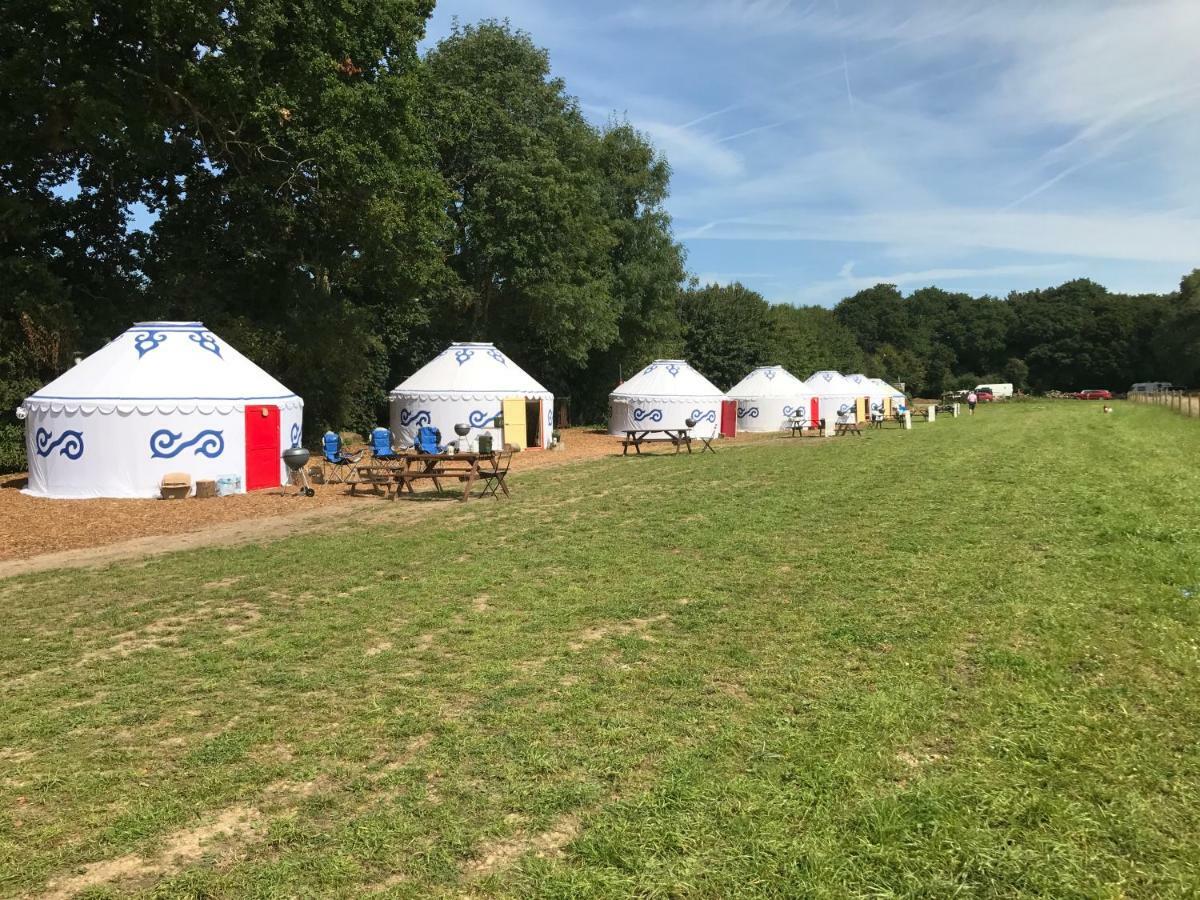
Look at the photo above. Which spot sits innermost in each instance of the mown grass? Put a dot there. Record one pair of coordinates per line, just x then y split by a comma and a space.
957, 661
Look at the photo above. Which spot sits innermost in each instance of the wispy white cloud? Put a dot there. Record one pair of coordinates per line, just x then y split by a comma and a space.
1161, 237
692, 152
846, 284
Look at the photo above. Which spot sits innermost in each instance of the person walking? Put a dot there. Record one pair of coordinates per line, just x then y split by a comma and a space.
972, 399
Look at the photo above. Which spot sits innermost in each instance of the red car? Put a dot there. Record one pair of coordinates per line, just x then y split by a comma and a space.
1094, 394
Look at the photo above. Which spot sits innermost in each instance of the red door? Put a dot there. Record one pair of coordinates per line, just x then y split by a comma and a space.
815, 412
262, 447
728, 418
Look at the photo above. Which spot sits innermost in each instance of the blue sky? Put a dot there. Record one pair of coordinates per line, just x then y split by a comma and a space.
821, 146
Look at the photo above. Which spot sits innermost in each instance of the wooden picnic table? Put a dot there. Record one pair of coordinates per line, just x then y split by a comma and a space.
680, 437
798, 425
467, 467
850, 427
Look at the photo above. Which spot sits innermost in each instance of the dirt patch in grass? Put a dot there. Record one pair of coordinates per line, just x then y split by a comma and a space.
496, 856
376, 649
182, 849
639, 627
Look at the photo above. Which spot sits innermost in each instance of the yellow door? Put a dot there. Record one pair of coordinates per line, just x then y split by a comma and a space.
887, 407
860, 410
514, 421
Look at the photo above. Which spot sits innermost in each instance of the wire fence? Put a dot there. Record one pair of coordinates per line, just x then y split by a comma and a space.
1181, 402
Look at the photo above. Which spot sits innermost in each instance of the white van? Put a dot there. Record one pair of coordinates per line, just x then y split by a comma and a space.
1150, 387
999, 391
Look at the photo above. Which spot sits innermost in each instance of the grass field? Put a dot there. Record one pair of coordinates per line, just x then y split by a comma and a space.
957, 661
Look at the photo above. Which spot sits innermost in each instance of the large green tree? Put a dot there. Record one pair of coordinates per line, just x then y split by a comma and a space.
278, 146
807, 339
726, 331
530, 250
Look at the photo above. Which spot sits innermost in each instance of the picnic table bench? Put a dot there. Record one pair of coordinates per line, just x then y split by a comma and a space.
680, 437
849, 427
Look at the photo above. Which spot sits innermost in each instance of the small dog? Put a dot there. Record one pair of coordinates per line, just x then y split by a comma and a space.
1107, 410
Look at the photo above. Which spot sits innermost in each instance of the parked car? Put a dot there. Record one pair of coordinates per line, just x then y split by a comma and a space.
984, 394
1094, 394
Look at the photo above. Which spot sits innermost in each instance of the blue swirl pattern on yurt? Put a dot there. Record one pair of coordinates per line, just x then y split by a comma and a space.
701, 416
208, 341
497, 356
146, 341
477, 418
167, 444
295, 434
462, 354
749, 411
416, 418
641, 415
68, 444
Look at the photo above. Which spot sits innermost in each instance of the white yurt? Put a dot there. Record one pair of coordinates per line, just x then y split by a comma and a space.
768, 398
666, 394
884, 397
476, 385
873, 400
836, 396
163, 397
886, 390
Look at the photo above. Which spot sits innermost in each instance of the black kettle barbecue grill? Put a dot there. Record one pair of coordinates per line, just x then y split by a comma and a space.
296, 458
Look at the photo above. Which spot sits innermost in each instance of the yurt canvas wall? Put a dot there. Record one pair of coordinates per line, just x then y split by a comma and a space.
473, 384
769, 398
162, 397
666, 394
836, 397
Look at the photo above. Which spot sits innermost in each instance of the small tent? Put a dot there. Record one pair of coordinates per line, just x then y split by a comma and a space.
768, 397
162, 397
476, 385
666, 394
836, 395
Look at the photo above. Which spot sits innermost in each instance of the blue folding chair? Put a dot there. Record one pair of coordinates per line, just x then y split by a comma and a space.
381, 446
428, 440
338, 465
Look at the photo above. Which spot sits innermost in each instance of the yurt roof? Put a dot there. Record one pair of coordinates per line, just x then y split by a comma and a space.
888, 390
668, 379
474, 371
769, 382
830, 384
864, 385
168, 366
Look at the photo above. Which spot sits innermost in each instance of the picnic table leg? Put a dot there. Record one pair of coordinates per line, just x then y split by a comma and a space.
469, 482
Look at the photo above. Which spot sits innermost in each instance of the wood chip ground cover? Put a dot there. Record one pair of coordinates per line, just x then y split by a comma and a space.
957, 661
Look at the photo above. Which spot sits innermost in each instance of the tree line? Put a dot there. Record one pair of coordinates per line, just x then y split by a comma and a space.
1070, 337
339, 206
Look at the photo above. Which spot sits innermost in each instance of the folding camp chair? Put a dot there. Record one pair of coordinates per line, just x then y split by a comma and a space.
338, 465
381, 446
428, 440
493, 479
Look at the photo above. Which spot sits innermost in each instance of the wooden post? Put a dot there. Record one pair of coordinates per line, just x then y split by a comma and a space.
954, 412
907, 420
931, 413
